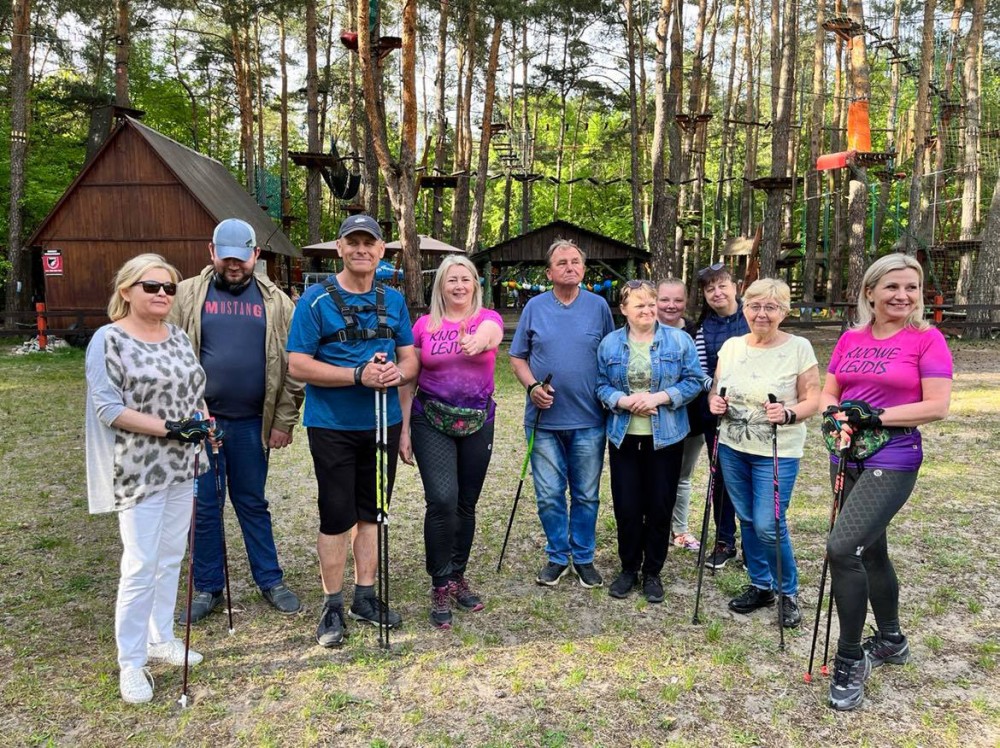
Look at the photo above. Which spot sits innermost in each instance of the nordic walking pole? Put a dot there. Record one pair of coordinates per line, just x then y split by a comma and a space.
713, 467
222, 529
384, 609
382, 517
838, 498
524, 473
777, 530
183, 700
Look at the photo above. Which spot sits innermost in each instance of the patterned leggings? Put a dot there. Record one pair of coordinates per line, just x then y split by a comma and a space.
860, 568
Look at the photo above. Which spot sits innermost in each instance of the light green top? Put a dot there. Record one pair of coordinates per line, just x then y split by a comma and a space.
640, 374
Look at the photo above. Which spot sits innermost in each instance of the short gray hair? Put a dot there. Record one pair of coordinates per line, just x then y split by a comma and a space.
562, 244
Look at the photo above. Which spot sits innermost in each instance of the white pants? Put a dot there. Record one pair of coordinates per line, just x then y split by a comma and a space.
692, 448
154, 536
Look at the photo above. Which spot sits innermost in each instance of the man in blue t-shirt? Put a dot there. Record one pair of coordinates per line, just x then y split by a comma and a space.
343, 360
558, 334
238, 324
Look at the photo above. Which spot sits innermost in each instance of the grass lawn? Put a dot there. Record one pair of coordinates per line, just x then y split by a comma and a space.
539, 667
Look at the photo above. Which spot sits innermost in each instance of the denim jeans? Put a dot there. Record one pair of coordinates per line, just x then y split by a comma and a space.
573, 458
243, 473
750, 480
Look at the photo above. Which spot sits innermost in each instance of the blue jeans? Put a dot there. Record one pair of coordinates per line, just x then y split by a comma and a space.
750, 480
243, 473
575, 458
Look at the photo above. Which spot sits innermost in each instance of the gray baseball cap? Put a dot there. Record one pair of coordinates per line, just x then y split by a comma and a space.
360, 222
235, 239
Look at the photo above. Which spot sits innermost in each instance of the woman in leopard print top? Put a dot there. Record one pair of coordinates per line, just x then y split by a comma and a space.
144, 384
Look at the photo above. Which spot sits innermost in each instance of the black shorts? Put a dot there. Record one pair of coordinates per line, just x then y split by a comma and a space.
344, 462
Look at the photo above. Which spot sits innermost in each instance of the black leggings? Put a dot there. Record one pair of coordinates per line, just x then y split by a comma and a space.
452, 470
860, 569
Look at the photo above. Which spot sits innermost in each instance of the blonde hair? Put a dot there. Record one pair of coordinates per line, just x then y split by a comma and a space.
627, 292
874, 273
437, 297
130, 273
769, 288
671, 281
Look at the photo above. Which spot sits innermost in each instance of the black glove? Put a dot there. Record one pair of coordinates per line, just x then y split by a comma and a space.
188, 431
830, 425
861, 415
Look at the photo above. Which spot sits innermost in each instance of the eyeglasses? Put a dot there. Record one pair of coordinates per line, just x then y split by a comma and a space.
153, 287
711, 269
768, 309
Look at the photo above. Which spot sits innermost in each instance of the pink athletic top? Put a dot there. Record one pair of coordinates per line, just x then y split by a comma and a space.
888, 372
447, 374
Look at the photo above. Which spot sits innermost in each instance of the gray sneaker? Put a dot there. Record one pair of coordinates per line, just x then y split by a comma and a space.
369, 610
330, 632
881, 650
847, 687
202, 603
588, 575
551, 573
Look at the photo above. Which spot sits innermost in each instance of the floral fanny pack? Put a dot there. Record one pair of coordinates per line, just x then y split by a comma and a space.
452, 420
864, 442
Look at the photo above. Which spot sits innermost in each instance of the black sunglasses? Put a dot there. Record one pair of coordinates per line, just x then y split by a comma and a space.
153, 287
711, 269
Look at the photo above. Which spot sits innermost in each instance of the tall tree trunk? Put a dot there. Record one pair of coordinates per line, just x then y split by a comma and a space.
921, 110
837, 138
635, 172
482, 178
286, 203
463, 132
440, 118
675, 91
970, 170
17, 296
508, 186
750, 115
814, 178
313, 206
529, 142
122, 49
984, 288
857, 207
723, 190
660, 233
693, 130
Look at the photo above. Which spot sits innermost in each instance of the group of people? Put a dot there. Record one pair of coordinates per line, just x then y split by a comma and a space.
224, 358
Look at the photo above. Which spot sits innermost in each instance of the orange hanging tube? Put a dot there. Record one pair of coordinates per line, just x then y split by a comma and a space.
859, 130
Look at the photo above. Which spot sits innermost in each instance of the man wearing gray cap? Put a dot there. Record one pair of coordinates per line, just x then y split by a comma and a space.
238, 324
351, 336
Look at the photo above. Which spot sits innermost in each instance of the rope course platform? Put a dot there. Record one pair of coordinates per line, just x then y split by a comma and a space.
844, 27
771, 183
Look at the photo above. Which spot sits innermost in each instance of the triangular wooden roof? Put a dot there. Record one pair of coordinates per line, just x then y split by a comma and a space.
208, 181
530, 248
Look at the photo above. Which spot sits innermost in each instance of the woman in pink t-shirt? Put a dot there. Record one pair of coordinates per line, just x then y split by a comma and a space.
892, 371
449, 427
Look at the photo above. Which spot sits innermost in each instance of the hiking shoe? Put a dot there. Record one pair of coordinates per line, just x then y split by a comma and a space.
847, 689
623, 585
652, 588
136, 685
588, 575
687, 541
463, 596
551, 573
283, 599
202, 603
881, 650
720, 556
791, 616
369, 610
751, 599
172, 653
441, 607
330, 632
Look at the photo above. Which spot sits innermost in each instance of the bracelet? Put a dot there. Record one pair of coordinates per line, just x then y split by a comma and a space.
532, 387
790, 416
358, 371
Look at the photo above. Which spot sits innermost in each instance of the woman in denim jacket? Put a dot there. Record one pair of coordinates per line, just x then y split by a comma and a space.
646, 374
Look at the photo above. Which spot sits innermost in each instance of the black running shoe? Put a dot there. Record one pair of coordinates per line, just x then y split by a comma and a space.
847, 688
881, 650
441, 607
588, 575
623, 585
551, 573
330, 632
368, 610
791, 615
652, 588
751, 599
202, 603
720, 556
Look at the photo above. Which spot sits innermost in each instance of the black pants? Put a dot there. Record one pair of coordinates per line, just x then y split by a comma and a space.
452, 470
860, 569
644, 489
723, 511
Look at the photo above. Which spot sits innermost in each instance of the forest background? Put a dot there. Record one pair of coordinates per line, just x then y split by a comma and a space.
645, 121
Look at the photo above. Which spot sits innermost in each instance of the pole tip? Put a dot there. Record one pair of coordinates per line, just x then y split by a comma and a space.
232, 631
825, 670
183, 701
808, 678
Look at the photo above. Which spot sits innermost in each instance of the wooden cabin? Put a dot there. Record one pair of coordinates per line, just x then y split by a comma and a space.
141, 192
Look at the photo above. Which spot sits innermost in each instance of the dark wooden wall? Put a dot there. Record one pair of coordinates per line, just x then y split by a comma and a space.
531, 248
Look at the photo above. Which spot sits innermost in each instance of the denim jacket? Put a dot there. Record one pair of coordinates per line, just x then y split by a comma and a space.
675, 370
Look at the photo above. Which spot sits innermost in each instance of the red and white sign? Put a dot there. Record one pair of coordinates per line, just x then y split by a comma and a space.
52, 262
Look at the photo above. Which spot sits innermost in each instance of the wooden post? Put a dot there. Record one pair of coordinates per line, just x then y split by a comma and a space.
43, 339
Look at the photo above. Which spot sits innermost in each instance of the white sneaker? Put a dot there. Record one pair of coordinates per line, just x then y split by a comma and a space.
172, 652
136, 685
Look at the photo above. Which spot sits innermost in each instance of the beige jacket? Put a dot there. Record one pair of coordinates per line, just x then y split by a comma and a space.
283, 395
